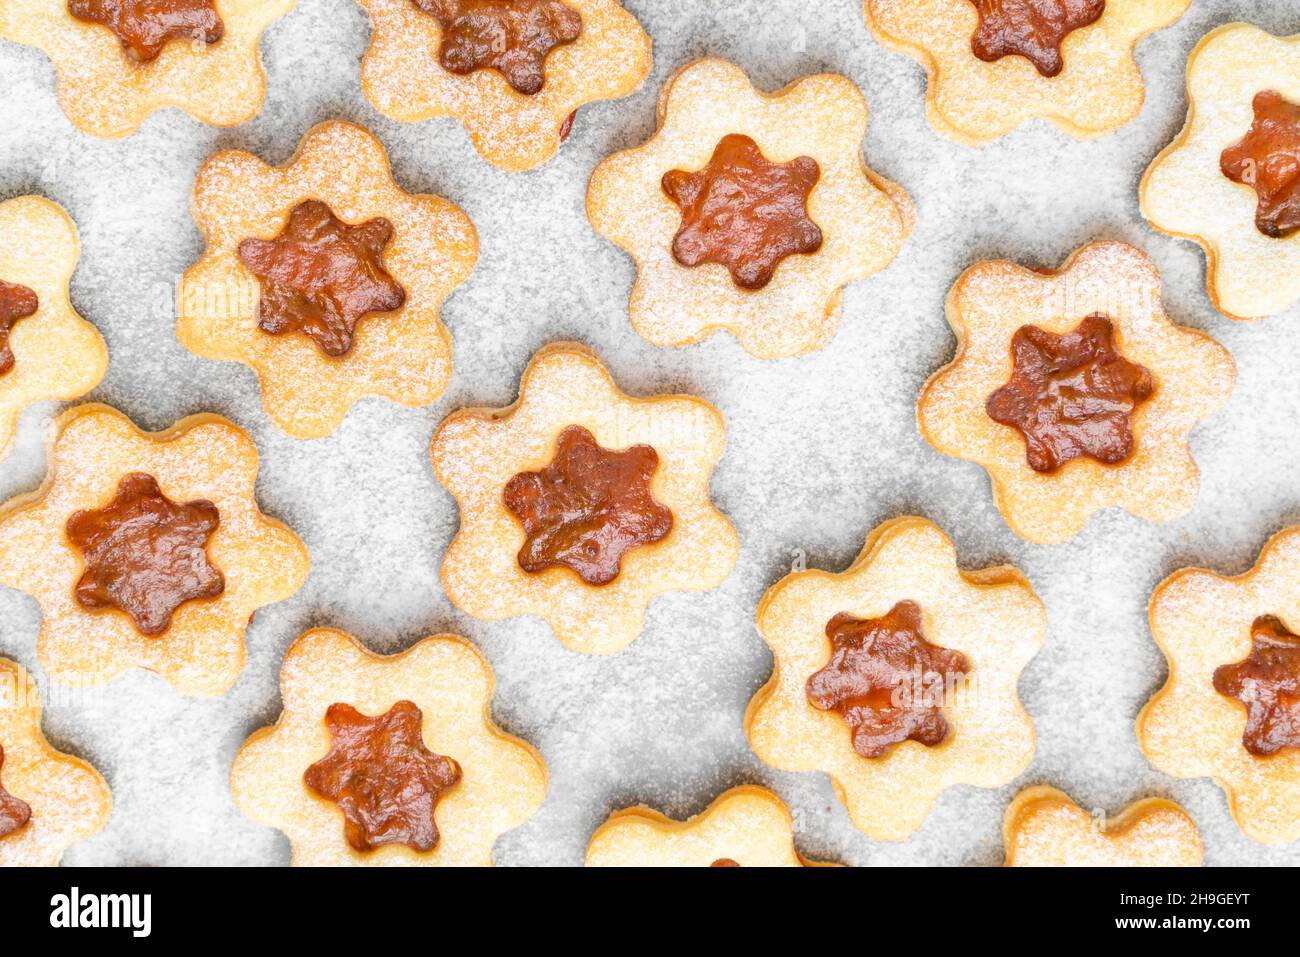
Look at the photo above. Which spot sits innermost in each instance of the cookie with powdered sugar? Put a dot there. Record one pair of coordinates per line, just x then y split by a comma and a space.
992, 65
117, 62
748, 212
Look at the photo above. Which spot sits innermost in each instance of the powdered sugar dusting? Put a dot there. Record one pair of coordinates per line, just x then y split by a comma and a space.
820, 449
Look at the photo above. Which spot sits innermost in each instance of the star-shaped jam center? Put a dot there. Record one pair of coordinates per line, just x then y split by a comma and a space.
320, 276
146, 26
886, 681
744, 212
512, 37
13, 812
382, 777
1267, 682
1033, 29
144, 554
1268, 159
587, 508
1071, 395
16, 302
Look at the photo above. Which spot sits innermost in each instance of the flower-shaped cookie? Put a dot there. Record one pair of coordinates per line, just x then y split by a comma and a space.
747, 826
147, 550
117, 61
581, 504
48, 800
1230, 709
324, 277
993, 64
1228, 180
748, 212
1044, 828
1074, 390
387, 760
47, 351
898, 676
512, 71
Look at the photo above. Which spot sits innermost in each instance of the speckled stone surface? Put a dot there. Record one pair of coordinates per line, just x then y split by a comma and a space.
822, 448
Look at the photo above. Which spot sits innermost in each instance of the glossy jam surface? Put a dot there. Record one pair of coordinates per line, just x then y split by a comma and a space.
886, 681
1267, 682
382, 777
744, 212
1267, 159
146, 26
1071, 395
1033, 29
14, 814
724, 862
320, 276
16, 302
587, 508
144, 554
512, 37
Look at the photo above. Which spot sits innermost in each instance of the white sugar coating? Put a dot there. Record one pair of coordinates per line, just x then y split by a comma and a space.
502, 781
67, 798
1193, 376
105, 94
201, 458
1098, 90
403, 355
819, 450
1184, 192
476, 454
57, 354
992, 619
1044, 828
403, 78
1202, 621
749, 826
862, 218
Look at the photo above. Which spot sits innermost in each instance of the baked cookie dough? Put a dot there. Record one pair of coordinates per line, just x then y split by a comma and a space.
387, 760
48, 800
1230, 708
1044, 828
514, 72
748, 826
898, 677
993, 64
324, 277
1074, 390
1228, 180
748, 212
147, 550
117, 61
581, 504
47, 351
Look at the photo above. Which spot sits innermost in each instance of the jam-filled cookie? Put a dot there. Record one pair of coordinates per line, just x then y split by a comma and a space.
324, 277
1044, 828
748, 212
1229, 180
387, 760
514, 72
117, 61
147, 550
47, 351
1230, 709
993, 64
48, 800
748, 826
1074, 390
897, 677
581, 504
